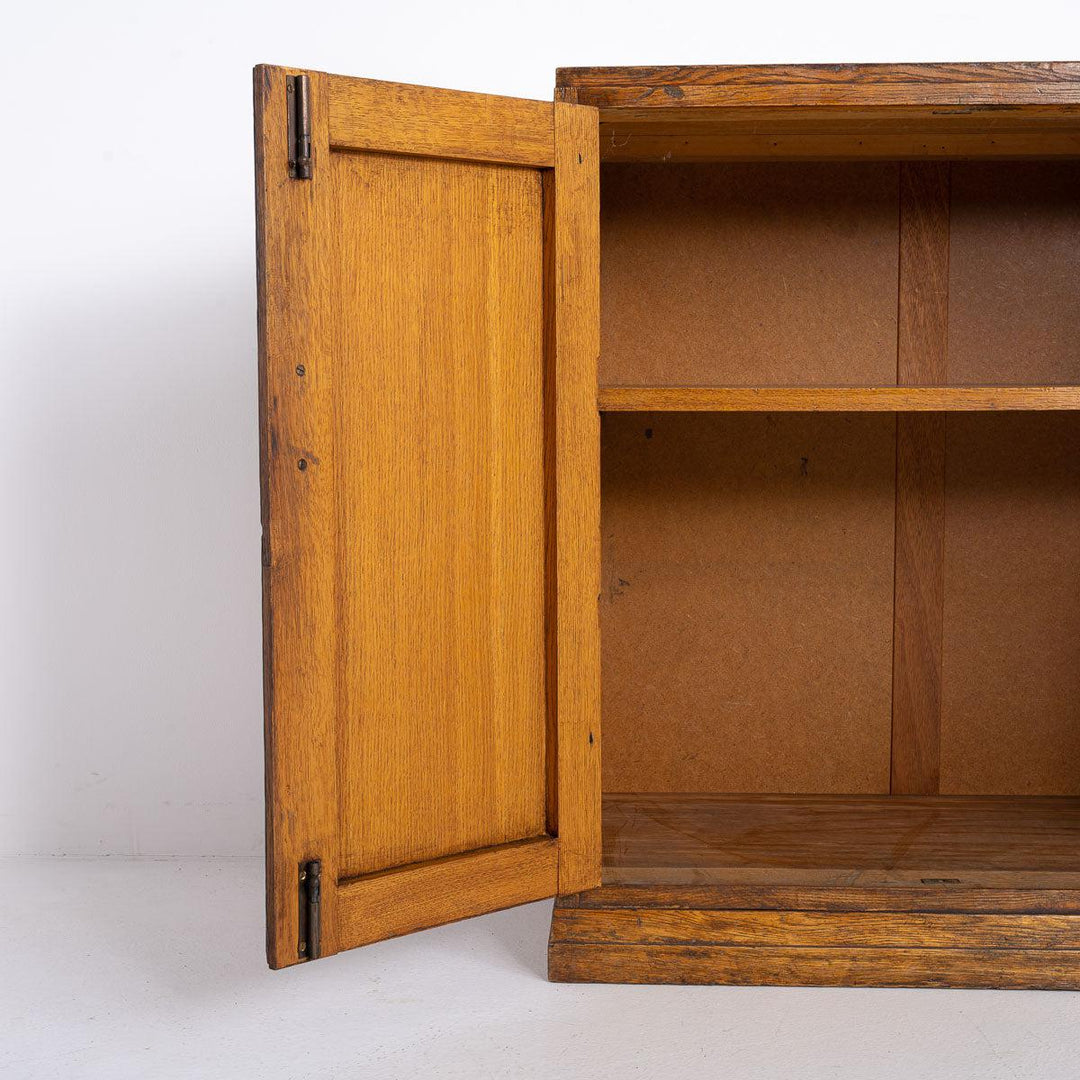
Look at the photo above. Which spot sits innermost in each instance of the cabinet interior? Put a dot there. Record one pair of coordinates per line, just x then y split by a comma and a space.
839, 642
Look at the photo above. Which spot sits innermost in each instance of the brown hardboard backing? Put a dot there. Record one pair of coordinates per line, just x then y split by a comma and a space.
749, 274
1010, 709
1014, 269
717, 613
747, 601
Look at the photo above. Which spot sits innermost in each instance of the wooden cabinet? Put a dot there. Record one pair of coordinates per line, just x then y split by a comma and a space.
747, 399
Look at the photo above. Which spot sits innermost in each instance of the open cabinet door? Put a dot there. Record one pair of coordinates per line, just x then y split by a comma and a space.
428, 339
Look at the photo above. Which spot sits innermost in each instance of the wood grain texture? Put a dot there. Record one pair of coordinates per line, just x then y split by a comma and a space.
1002, 969
999, 893
885, 891
746, 612
1013, 270
1011, 666
922, 358
919, 599
427, 381
1036, 85
679, 839
577, 527
823, 929
837, 398
412, 898
437, 338
418, 120
832, 112
778, 274
923, 320
299, 516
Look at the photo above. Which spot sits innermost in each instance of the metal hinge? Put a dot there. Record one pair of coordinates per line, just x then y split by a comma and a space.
310, 922
298, 92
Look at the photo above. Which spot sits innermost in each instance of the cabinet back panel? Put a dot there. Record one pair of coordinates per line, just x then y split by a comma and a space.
1014, 273
438, 350
747, 603
749, 274
1010, 719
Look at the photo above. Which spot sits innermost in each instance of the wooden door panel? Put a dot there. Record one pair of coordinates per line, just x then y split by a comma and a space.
437, 275
428, 327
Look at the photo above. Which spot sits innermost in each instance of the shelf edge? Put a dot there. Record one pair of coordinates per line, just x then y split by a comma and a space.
837, 398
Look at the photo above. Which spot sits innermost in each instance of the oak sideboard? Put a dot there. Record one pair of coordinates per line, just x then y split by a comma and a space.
671, 505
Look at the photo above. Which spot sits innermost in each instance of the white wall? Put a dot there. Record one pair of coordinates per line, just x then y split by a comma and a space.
130, 691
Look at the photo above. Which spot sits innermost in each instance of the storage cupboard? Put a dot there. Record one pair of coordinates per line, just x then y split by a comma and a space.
720, 422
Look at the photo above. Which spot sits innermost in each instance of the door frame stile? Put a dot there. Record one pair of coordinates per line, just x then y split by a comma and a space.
299, 520
576, 299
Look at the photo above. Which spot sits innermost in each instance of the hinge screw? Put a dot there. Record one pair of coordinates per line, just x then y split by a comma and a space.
301, 370
303, 946
302, 464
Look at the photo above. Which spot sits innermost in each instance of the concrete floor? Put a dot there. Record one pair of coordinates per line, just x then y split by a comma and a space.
153, 969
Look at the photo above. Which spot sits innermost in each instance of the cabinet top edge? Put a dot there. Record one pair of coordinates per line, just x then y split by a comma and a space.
1002, 85
1050, 71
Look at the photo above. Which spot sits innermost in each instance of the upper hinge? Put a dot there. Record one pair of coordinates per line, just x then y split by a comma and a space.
298, 92
309, 945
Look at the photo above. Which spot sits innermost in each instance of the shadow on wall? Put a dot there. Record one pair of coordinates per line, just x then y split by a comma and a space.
132, 665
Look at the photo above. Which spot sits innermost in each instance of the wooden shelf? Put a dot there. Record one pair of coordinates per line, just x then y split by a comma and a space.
829, 890
836, 398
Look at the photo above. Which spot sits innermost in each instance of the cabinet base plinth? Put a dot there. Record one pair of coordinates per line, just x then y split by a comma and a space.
620, 938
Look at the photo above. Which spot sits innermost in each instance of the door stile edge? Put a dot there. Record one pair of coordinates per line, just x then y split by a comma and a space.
299, 519
576, 237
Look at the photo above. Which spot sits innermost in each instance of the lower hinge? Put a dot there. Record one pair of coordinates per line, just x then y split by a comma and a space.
298, 92
310, 898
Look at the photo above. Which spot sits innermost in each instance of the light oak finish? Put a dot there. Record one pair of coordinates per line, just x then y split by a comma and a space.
836, 647
577, 494
299, 520
440, 466
421, 121
837, 398
412, 898
428, 348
